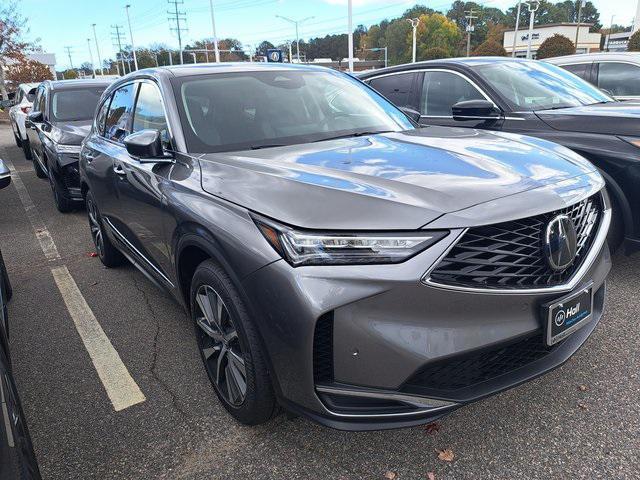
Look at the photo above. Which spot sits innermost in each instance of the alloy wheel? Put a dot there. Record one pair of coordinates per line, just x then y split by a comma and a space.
220, 346
94, 224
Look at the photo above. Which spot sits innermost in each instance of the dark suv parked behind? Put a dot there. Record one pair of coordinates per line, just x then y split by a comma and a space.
60, 119
333, 258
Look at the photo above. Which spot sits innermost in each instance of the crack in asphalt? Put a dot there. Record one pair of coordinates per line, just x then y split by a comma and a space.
154, 357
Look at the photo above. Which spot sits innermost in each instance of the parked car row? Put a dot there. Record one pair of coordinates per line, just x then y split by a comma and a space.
336, 259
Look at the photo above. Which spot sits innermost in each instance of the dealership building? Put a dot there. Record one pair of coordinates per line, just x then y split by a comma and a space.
587, 41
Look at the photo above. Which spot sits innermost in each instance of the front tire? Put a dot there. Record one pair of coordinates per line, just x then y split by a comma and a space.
109, 255
230, 346
40, 173
64, 205
616, 230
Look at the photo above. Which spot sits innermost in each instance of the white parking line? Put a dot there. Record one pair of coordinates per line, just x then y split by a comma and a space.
120, 386
42, 233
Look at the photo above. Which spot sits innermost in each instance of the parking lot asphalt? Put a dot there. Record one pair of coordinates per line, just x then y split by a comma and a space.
580, 421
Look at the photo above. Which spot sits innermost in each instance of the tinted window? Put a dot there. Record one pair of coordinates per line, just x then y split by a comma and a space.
102, 116
19, 96
396, 88
149, 112
534, 85
238, 111
74, 105
442, 90
620, 79
579, 69
119, 116
31, 94
39, 101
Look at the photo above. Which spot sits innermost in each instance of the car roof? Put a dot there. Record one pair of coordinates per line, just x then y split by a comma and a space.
463, 61
588, 57
75, 83
230, 67
28, 86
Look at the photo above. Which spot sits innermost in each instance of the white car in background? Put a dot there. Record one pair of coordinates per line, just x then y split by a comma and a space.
18, 113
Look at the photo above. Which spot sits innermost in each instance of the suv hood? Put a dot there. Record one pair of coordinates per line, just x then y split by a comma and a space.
70, 133
615, 118
387, 181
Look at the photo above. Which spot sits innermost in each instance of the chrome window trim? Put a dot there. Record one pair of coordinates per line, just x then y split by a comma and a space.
425, 404
132, 247
594, 252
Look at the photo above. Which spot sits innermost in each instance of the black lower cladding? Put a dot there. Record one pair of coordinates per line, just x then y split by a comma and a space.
510, 255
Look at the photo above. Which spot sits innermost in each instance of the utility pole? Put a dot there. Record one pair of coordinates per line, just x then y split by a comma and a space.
296, 23
133, 47
117, 38
582, 4
350, 32
414, 24
290, 54
93, 66
610, 31
533, 6
515, 33
68, 49
178, 16
95, 37
155, 55
215, 37
470, 16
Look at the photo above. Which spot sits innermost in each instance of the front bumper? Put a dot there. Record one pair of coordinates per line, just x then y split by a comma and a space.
385, 328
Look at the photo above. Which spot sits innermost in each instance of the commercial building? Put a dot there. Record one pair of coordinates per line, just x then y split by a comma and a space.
587, 41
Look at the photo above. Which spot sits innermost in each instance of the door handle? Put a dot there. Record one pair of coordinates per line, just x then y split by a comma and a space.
119, 170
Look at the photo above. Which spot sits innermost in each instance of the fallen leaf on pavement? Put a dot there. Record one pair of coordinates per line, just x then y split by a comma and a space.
582, 388
431, 428
446, 455
431, 476
582, 406
391, 475
92, 254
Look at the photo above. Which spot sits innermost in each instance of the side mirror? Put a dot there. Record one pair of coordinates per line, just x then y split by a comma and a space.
146, 146
5, 175
35, 117
413, 115
475, 110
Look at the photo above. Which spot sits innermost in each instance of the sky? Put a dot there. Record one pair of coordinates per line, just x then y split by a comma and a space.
57, 24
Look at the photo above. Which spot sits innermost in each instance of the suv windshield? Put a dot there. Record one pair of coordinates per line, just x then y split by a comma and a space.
240, 111
71, 105
539, 86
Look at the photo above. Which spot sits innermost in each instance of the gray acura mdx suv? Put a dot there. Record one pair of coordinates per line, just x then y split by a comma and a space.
335, 260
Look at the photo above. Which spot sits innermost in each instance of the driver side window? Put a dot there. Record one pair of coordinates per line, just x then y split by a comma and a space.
442, 90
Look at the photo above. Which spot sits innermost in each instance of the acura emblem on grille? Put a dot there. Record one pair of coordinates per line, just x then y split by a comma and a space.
561, 242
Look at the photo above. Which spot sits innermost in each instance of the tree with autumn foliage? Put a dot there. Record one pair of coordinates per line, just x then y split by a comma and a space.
28, 71
556, 46
12, 45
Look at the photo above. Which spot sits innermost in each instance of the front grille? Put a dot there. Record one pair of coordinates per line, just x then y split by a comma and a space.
471, 369
323, 349
70, 176
510, 255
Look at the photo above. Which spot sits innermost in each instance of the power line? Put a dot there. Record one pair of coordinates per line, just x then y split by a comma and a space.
178, 16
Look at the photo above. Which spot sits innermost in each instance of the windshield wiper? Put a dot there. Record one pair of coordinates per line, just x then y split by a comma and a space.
355, 134
267, 145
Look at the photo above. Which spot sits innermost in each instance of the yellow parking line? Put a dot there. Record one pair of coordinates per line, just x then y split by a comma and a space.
121, 388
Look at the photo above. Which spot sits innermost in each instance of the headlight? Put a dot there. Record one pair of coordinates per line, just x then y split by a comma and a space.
68, 148
301, 247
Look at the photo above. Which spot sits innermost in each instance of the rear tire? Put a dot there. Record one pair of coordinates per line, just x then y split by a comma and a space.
109, 255
230, 346
18, 140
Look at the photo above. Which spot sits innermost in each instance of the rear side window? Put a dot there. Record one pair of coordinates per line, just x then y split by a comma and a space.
149, 112
579, 69
442, 90
620, 79
395, 88
118, 123
71, 105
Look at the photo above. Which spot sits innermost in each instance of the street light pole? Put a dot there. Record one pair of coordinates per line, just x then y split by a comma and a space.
414, 24
215, 37
95, 36
533, 6
133, 47
515, 33
609, 35
350, 33
93, 67
296, 23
